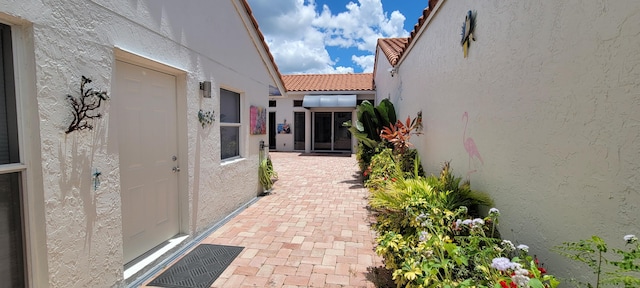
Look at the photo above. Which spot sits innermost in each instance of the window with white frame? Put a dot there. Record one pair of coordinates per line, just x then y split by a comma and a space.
12, 262
229, 124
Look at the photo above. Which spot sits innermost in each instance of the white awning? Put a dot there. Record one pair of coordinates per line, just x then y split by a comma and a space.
311, 101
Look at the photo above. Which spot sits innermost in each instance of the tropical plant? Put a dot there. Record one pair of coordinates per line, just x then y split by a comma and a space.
399, 133
427, 246
459, 193
429, 238
594, 253
266, 173
366, 129
370, 121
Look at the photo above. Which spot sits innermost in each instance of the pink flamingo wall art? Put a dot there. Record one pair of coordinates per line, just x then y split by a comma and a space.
469, 144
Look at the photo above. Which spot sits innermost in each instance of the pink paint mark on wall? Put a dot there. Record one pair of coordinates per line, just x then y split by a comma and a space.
470, 145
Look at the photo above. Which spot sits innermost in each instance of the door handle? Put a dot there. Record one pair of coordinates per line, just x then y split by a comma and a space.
175, 169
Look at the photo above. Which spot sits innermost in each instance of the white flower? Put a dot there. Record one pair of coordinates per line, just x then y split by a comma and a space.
501, 263
630, 238
458, 223
467, 222
478, 221
521, 278
520, 271
523, 247
494, 211
517, 266
424, 236
508, 245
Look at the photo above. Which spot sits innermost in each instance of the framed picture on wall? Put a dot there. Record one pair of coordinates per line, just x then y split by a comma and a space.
258, 120
284, 128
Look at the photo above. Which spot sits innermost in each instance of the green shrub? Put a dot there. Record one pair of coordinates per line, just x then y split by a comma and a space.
460, 192
428, 240
594, 253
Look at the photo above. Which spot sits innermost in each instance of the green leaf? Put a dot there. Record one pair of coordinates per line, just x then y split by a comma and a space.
600, 244
359, 126
554, 282
535, 283
369, 123
391, 111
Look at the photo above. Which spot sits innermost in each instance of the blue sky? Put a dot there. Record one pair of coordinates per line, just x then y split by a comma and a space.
332, 36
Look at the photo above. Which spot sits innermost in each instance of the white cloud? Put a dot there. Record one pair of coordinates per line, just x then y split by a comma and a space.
366, 62
298, 33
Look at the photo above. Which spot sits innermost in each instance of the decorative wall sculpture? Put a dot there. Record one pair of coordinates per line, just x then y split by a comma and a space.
88, 101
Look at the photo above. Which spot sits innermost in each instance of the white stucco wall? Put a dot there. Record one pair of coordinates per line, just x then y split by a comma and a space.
386, 85
284, 110
205, 39
552, 93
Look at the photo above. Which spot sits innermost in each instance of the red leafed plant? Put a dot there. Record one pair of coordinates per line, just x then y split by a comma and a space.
398, 134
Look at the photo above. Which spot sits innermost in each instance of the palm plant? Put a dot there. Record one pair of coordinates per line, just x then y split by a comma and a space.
458, 194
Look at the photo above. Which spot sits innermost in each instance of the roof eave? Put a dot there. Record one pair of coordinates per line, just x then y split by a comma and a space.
434, 6
333, 92
251, 24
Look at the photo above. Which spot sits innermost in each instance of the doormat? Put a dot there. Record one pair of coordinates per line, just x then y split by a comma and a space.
199, 268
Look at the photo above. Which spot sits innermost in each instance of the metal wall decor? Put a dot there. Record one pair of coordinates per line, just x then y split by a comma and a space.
468, 28
84, 105
205, 118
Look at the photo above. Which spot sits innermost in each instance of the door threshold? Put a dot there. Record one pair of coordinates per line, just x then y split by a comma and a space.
327, 153
150, 258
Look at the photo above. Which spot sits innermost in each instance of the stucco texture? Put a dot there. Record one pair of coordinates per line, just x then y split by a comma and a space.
552, 93
206, 40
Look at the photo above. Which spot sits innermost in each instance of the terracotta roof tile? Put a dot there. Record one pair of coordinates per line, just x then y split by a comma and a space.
329, 82
392, 48
397, 52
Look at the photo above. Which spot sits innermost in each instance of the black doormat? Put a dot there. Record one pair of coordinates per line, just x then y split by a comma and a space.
199, 268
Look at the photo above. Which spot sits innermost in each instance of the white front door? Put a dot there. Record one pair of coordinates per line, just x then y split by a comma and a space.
147, 142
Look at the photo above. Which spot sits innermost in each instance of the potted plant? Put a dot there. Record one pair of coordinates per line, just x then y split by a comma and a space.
266, 174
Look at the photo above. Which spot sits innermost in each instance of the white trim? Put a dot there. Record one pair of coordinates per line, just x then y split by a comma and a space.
242, 150
15, 167
33, 210
181, 125
231, 160
420, 32
140, 60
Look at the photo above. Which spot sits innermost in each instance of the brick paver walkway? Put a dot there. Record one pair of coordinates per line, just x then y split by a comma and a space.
312, 231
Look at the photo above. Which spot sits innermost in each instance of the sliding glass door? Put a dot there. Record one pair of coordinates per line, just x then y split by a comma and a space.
322, 131
298, 130
341, 134
328, 132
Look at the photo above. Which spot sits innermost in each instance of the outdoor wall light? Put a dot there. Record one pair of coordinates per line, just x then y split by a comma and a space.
393, 71
206, 89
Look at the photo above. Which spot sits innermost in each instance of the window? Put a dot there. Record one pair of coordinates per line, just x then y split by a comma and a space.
12, 268
297, 103
272, 103
229, 124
